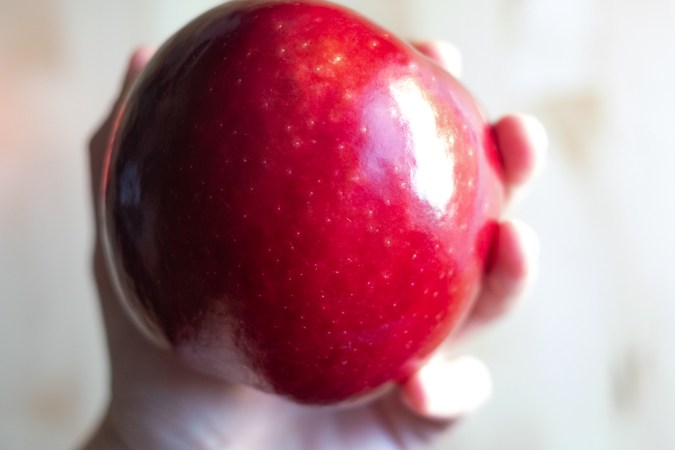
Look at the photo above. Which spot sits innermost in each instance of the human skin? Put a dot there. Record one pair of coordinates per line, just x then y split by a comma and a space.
156, 402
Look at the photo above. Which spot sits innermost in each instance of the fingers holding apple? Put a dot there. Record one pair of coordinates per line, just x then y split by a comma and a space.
522, 142
447, 388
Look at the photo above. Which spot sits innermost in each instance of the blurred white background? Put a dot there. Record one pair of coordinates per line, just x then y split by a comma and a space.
585, 363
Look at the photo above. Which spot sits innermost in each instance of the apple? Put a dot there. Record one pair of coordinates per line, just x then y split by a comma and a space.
297, 200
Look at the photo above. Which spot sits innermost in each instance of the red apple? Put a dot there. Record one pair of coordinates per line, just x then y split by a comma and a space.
297, 200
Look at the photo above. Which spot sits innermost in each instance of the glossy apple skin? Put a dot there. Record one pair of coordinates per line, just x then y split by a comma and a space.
297, 200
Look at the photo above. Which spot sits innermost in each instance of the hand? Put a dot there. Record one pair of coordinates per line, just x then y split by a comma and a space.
157, 403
